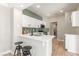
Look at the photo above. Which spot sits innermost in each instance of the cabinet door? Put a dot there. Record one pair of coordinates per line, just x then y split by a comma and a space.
31, 22
75, 18
71, 43
26, 21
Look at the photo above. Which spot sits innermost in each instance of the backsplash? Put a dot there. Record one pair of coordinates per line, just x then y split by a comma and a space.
26, 30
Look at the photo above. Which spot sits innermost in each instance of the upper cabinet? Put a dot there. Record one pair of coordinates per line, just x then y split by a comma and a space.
28, 21
75, 18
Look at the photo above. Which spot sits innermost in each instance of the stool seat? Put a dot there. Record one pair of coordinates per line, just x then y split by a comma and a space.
18, 48
26, 50
18, 43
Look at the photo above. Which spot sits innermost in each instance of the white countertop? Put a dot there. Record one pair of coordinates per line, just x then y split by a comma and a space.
40, 38
71, 34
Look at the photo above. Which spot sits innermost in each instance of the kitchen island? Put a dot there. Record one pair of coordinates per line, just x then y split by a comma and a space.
41, 45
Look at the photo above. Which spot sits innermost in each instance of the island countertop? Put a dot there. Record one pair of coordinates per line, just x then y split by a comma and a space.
40, 38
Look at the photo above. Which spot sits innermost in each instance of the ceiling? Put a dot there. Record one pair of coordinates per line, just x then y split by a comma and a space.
46, 9
17, 5
52, 9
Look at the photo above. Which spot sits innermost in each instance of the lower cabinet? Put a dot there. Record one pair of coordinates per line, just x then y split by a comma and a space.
39, 48
72, 43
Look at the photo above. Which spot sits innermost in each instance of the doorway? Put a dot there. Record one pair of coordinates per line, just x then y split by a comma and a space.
53, 28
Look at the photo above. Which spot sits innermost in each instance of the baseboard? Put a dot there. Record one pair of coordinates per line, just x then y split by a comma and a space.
12, 52
60, 40
2, 54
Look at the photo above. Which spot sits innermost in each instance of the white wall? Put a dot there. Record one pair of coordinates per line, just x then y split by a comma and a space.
16, 24
10, 27
5, 39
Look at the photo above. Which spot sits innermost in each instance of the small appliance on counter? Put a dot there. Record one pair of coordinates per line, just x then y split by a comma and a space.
42, 29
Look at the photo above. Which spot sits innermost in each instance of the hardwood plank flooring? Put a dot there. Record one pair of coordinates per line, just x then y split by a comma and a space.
59, 49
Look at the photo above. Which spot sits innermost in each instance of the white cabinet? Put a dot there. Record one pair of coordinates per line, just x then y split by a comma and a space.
26, 21
75, 18
37, 48
72, 43
41, 46
31, 22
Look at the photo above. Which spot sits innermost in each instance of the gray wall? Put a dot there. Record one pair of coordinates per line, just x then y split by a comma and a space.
77, 28
31, 14
64, 25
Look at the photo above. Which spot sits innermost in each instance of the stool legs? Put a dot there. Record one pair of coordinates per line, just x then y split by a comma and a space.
30, 53
14, 51
18, 51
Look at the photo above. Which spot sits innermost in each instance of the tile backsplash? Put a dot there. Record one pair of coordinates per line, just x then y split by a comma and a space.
26, 30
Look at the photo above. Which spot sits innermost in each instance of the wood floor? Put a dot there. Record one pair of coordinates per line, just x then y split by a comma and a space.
59, 49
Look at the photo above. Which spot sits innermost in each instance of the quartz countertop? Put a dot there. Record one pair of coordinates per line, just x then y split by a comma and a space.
40, 38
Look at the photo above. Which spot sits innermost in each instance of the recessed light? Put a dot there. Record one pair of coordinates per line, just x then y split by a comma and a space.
61, 11
21, 6
37, 6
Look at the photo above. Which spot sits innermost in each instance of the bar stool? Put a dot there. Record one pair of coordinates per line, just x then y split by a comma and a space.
26, 50
18, 48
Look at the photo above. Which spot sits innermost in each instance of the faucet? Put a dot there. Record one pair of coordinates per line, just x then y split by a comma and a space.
31, 32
